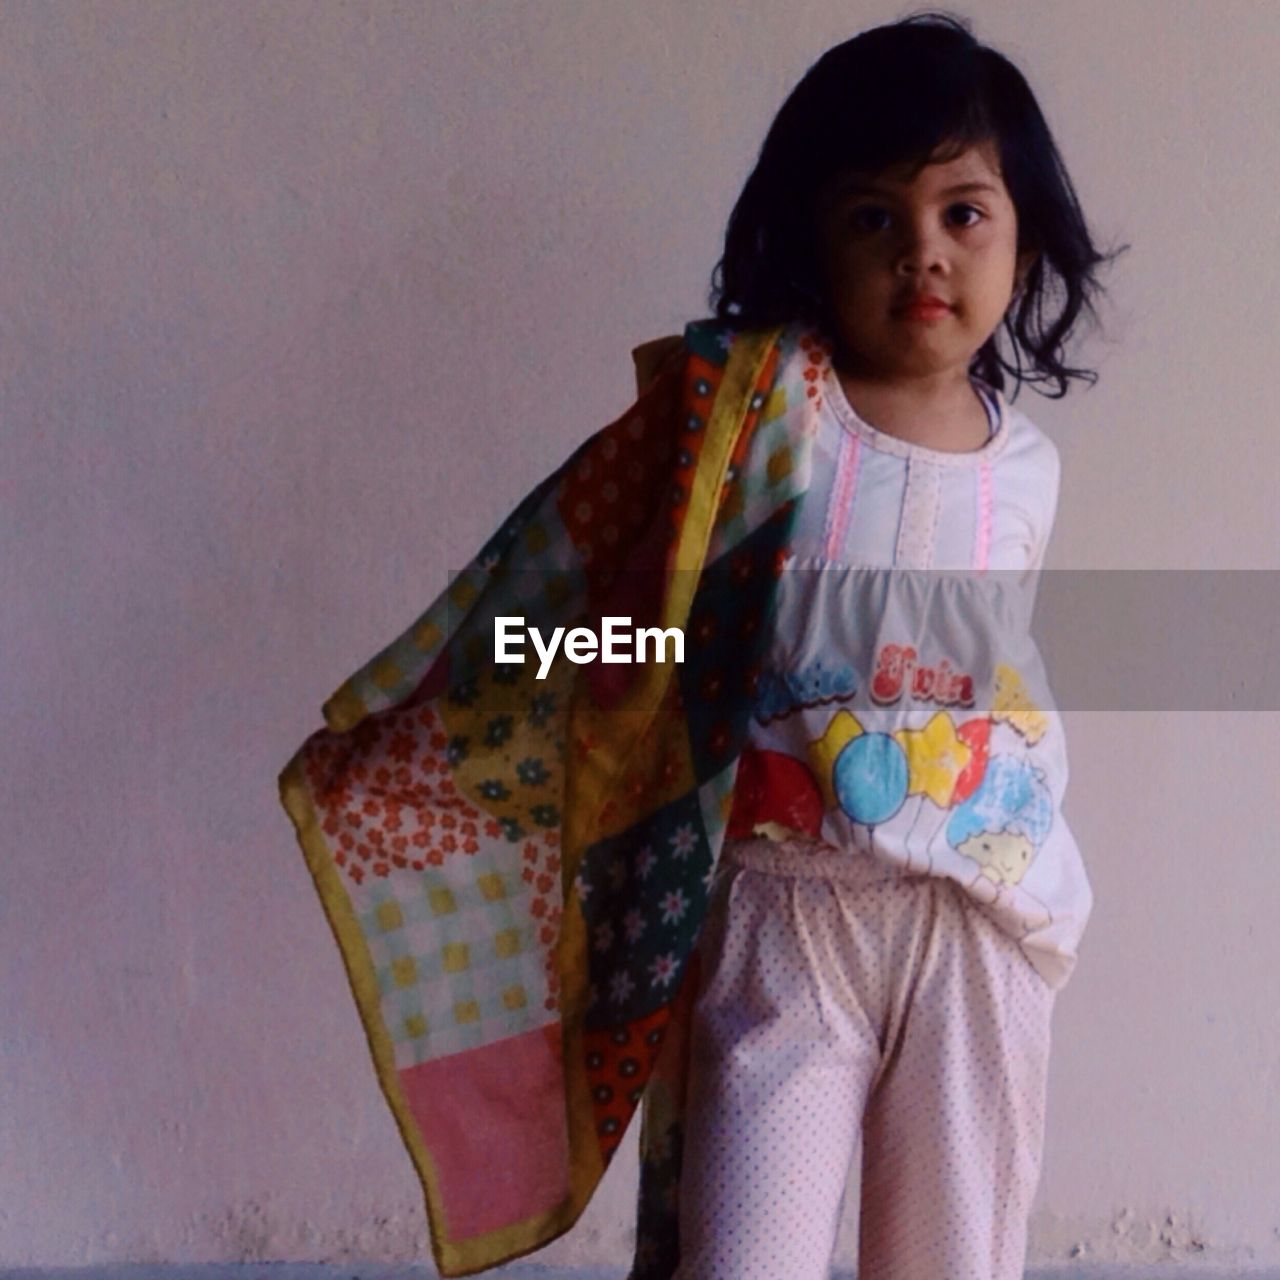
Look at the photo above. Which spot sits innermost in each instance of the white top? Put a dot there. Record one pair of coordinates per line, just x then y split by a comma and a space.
904, 712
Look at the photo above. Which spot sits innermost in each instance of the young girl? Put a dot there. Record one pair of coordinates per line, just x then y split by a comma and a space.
813, 880
899, 897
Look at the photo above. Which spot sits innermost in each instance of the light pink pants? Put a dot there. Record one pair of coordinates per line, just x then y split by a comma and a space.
843, 998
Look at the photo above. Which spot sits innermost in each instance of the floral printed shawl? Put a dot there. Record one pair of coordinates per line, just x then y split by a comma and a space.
516, 869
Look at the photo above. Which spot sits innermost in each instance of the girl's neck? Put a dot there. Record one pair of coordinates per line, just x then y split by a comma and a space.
949, 419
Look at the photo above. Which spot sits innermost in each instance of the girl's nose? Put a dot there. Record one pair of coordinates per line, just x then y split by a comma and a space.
919, 262
919, 250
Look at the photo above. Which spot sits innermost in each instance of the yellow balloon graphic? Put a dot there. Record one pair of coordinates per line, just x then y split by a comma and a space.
936, 756
842, 729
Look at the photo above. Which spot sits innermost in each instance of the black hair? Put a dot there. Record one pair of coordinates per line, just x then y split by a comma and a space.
909, 92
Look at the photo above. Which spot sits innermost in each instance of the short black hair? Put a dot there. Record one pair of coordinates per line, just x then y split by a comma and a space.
912, 91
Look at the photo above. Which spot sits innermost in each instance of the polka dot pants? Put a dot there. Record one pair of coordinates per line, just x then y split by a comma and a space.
845, 1003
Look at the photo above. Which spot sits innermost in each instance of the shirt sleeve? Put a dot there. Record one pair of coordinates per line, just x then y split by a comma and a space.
1049, 509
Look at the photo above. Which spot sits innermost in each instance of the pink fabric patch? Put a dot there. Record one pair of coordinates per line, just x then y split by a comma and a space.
493, 1120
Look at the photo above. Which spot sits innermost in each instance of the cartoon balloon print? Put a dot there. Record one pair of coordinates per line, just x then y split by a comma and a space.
976, 734
774, 787
870, 778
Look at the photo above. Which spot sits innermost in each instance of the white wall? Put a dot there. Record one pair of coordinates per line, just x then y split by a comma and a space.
299, 298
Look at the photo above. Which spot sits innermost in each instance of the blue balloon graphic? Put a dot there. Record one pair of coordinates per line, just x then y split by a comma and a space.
870, 778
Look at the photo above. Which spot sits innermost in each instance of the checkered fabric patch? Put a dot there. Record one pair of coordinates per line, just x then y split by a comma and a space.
456, 958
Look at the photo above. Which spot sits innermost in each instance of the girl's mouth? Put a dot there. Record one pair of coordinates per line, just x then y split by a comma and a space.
925, 312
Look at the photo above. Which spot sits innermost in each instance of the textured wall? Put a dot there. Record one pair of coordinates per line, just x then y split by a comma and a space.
299, 298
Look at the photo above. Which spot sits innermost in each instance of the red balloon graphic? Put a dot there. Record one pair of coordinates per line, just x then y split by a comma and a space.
977, 734
774, 787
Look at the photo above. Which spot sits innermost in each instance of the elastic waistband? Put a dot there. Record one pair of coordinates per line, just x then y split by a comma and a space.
811, 858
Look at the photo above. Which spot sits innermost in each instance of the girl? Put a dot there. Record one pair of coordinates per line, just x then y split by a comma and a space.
899, 897
814, 879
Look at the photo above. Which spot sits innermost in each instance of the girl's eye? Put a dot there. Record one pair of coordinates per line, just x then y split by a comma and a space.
866, 217
970, 209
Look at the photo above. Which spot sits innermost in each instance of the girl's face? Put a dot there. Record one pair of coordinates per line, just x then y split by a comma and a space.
952, 233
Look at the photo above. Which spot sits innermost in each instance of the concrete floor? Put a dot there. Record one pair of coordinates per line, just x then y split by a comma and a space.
526, 1271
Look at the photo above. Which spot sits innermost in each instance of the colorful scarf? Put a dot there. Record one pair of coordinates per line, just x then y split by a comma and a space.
516, 869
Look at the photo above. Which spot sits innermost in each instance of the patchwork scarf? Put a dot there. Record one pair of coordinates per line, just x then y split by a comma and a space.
516, 869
